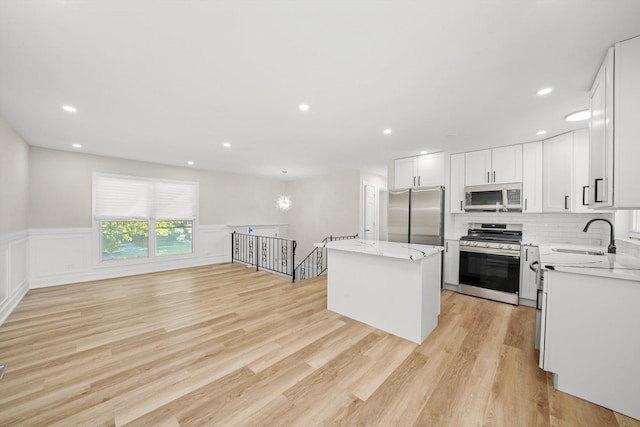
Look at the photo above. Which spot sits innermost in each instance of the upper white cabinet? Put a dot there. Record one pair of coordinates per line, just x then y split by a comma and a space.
615, 129
601, 135
496, 166
532, 177
477, 170
581, 171
420, 171
557, 173
456, 190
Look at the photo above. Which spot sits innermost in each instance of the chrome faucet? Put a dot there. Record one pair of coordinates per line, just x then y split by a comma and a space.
612, 243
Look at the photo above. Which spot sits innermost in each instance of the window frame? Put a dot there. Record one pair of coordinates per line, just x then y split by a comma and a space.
634, 231
151, 257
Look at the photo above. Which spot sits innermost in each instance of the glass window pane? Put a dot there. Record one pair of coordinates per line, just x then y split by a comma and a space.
124, 239
174, 237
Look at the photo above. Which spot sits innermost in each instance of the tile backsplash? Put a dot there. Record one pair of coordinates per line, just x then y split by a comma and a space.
539, 228
628, 247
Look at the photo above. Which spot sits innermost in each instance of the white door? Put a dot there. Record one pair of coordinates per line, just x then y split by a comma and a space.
370, 212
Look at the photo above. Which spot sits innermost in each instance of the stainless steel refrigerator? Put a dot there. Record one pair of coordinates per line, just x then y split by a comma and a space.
416, 215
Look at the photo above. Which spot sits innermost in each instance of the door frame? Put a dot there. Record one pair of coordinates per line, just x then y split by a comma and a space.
376, 208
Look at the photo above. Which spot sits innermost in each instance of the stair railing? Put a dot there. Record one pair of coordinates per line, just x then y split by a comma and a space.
315, 264
266, 253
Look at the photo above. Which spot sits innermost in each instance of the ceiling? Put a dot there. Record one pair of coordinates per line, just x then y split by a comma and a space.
170, 81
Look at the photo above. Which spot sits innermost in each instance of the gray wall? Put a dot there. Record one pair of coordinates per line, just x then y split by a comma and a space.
322, 206
14, 180
60, 190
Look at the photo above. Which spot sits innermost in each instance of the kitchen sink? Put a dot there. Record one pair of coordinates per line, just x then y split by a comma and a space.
578, 251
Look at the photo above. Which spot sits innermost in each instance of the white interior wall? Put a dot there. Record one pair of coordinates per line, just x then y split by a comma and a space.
323, 206
14, 181
60, 190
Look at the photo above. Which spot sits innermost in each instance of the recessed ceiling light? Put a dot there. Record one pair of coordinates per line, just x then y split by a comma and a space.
545, 91
303, 107
76, 145
70, 109
541, 132
190, 163
387, 131
423, 152
578, 116
226, 144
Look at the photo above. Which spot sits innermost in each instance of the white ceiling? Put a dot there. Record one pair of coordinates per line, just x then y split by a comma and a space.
170, 81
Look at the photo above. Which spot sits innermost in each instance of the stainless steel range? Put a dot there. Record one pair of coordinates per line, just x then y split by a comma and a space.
490, 261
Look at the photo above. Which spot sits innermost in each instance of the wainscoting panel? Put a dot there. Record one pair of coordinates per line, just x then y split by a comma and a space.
62, 256
13, 271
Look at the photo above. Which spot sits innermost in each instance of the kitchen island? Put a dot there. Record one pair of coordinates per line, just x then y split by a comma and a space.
394, 287
590, 318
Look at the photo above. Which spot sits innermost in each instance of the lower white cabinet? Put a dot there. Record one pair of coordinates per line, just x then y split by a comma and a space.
452, 262
528, 278
590, 338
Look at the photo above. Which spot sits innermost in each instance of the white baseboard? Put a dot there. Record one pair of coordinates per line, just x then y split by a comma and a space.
111, 273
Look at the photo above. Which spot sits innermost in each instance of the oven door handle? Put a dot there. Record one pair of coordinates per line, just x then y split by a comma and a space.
491, 251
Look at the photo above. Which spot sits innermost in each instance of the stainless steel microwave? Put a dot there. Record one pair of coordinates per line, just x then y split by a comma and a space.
493, 198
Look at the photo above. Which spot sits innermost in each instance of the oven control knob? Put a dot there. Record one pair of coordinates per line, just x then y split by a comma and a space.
485, 245
502, 246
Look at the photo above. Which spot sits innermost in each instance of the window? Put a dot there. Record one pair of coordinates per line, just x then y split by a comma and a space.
135, 214
635, 224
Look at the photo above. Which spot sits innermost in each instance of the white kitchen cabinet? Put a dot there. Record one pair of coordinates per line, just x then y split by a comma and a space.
477, 167
615, 129
405, 172
456, 187
528, 278
532, 177
419, 171
452, 262
496, 166
590, 338
581, 172
557, 173
507, 164
601, 135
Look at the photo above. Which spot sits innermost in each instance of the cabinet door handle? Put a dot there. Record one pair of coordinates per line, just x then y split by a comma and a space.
595, 184
488, 181
494, 176
525, 204
446, 246
566, 202
460, 204
584, 198
526, 254
418, 181
414, 181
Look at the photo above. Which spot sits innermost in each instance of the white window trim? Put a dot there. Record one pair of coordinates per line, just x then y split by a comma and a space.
634, 232
151, 258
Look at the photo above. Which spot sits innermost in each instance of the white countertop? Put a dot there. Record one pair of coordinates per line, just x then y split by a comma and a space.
615, 266
408, 251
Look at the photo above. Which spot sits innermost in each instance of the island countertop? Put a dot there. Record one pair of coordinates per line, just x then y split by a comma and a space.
409, 251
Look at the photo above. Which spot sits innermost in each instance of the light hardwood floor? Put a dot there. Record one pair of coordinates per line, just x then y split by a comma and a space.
225, 345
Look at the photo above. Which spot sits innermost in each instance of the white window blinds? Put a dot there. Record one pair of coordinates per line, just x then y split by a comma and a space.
118, 197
